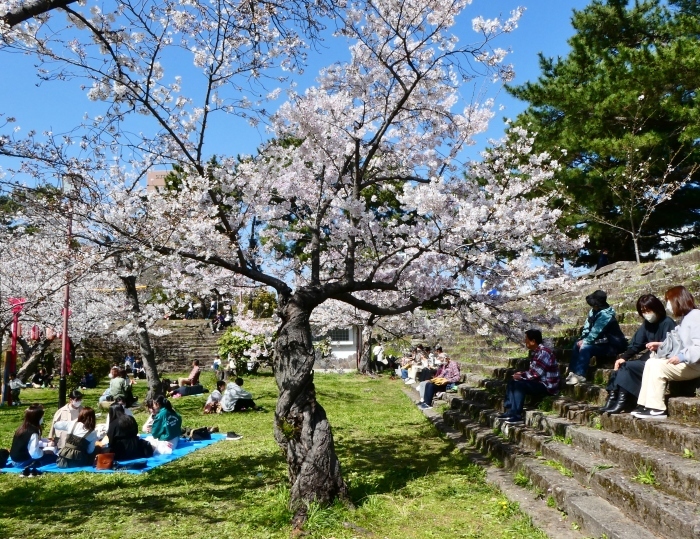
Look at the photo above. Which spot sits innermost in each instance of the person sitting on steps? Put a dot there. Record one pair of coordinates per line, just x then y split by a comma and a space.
541, 379
626, 381
448, 374
601, 336
677, 358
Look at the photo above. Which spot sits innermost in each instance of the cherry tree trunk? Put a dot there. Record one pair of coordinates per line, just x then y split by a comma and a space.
301, 426
32, 357
365, 365
148, 356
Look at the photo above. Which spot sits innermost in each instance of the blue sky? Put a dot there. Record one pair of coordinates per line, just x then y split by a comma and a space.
56, 106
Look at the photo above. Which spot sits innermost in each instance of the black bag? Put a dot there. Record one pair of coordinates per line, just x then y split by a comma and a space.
198, 434
4, 455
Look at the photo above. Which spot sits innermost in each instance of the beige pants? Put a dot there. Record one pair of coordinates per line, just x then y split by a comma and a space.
184, 382
657, 373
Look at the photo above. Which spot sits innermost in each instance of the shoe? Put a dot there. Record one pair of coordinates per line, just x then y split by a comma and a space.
612, 400
638, 410
213, 429
514, 420
505, 415
623, 399
575, 379
424, 406
651, 413
233, 436
568, 376
26, 472
409, 381
34, 472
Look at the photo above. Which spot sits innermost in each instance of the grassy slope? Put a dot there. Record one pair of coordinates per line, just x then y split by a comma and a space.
406, 481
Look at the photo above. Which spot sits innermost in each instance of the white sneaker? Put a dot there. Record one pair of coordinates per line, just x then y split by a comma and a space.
409, 381
575, 379
568, 376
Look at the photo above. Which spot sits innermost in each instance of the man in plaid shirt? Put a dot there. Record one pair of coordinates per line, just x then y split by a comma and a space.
541, 379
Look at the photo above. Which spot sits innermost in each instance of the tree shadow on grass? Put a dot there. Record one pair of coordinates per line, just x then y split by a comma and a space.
203, 490
388, 464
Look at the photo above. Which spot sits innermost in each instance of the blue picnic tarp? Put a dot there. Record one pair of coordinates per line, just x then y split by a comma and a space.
183, 448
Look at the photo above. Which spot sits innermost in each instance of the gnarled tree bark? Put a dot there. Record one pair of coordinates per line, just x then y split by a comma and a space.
32, 356
301, 427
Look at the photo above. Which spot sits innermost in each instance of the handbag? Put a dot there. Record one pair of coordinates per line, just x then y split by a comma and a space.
671, 346
104, 461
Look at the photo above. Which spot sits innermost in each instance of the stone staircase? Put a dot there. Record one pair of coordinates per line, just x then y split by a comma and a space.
176, 342
615, 476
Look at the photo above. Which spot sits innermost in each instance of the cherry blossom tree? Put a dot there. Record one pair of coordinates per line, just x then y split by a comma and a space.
36, 267
361, 195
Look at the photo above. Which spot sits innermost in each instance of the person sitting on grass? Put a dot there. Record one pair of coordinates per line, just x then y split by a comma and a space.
213, 404
88, 381
41, 379
69, 412
678, 358
79, 449
447, 375
193, 378
16, 387
29, 449
123, 435
119, 386
542, 378
167, 424
237, 399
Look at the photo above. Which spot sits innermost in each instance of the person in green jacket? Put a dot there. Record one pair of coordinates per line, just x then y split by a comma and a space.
167, 423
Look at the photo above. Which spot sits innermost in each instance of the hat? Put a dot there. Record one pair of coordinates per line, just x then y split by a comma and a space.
597, 299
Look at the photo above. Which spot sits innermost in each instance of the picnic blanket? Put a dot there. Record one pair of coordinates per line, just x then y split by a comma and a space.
183, 448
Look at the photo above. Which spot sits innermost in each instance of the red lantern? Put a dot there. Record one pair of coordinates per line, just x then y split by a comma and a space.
19, 330
36, 334
50, 334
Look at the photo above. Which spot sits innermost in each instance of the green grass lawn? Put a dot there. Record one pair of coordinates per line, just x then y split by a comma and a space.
405, 480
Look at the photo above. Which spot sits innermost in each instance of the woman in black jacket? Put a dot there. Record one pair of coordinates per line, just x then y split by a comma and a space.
123, 434
626, 381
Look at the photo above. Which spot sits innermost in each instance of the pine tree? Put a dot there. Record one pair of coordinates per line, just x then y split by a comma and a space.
622, 108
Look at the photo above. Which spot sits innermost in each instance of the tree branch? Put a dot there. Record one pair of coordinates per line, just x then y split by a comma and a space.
31, 9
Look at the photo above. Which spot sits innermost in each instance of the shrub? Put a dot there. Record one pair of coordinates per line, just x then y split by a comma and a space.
100, 368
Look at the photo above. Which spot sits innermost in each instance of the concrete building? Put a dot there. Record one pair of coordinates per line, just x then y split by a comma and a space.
155, 180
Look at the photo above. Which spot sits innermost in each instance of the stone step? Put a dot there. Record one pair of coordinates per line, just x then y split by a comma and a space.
676, 475
582, 397
591, 512
672, 436
659, 512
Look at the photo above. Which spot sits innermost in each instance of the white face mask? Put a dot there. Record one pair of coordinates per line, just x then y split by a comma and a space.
669, 307
76, 404
649, 317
